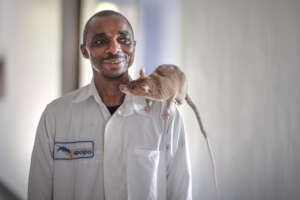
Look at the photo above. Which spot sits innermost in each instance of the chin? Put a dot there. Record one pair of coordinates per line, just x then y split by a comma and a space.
114, 76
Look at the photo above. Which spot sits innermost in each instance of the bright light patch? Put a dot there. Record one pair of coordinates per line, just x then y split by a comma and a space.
147, 88
106, 6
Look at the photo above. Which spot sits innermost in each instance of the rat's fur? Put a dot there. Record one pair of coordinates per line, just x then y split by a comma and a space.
166, 83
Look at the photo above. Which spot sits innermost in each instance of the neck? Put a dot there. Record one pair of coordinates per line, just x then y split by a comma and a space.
108, 89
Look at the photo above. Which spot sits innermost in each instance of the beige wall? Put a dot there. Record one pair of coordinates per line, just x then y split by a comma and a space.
243, 64
30, 45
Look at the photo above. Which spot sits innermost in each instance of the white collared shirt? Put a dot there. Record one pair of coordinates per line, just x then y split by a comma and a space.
82, 152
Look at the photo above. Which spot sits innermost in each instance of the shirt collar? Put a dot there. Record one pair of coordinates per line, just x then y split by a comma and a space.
130, 105
86, 92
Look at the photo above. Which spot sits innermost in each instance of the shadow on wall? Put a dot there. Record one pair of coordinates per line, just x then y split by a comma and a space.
6, 193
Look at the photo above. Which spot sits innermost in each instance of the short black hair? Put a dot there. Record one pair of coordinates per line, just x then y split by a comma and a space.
104, 13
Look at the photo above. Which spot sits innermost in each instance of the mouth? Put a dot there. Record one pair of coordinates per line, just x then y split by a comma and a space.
114, 61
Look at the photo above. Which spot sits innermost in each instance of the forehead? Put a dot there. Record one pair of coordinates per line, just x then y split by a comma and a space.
109, 25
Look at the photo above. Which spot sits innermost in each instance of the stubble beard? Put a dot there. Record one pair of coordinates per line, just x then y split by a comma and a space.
98, 72
114, 78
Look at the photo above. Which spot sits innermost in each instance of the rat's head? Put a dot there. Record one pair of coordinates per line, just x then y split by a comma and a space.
139, 87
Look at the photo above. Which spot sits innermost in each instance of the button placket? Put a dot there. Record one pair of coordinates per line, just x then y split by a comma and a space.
112, 158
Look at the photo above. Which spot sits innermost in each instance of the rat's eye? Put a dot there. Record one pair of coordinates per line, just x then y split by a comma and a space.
131, 86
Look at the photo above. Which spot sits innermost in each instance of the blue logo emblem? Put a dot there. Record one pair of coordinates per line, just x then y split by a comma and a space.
73, 150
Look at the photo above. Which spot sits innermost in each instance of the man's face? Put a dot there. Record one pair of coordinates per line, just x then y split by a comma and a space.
109, 46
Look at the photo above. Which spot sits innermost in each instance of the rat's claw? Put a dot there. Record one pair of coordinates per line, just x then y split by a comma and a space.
147, 108
166, 115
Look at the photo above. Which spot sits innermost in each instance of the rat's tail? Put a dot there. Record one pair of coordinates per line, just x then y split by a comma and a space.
211, 154
193, 106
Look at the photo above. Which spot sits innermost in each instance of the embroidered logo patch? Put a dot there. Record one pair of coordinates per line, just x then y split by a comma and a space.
73, 150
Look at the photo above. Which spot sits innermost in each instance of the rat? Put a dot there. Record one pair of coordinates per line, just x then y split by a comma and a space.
167, 83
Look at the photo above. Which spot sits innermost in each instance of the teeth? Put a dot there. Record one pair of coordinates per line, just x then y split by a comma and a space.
115, 62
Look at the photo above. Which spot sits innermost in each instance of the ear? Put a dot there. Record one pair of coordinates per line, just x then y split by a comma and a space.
146, 88
142, 73
84, 51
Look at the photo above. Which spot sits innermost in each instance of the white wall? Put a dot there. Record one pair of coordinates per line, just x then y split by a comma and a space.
30, 45
159, 42
243, 65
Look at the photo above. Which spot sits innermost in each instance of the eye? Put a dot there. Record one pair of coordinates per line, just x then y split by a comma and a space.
99, 42
125, 40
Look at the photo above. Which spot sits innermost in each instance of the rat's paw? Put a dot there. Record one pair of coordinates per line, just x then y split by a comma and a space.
147, 108
178, 102
166, 115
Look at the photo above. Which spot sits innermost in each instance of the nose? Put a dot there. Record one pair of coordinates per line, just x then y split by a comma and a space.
113, 47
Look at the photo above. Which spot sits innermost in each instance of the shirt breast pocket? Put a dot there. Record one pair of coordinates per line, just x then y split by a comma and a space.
142, 170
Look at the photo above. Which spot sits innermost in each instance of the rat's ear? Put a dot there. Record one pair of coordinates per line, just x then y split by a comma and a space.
142, 73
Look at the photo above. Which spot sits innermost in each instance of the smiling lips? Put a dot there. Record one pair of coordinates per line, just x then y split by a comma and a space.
114, 61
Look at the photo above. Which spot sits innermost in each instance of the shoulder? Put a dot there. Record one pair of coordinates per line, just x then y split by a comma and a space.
66, 101
174, 119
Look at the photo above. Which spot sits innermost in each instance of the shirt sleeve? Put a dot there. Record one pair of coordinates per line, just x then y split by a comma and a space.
41, 168
179, 184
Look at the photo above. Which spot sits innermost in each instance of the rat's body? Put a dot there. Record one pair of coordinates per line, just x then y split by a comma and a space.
167, 83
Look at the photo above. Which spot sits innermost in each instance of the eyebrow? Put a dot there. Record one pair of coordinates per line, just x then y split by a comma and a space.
123, 33
99, 35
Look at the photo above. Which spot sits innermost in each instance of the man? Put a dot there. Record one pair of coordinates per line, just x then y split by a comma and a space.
97, 143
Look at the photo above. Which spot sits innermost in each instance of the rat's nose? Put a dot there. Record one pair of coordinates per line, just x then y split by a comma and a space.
123, 87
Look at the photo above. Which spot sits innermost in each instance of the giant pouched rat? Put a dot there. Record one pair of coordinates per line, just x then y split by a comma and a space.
167, 83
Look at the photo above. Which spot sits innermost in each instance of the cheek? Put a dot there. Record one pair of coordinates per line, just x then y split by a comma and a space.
96, 53
95, 56
94, 61
130, 53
